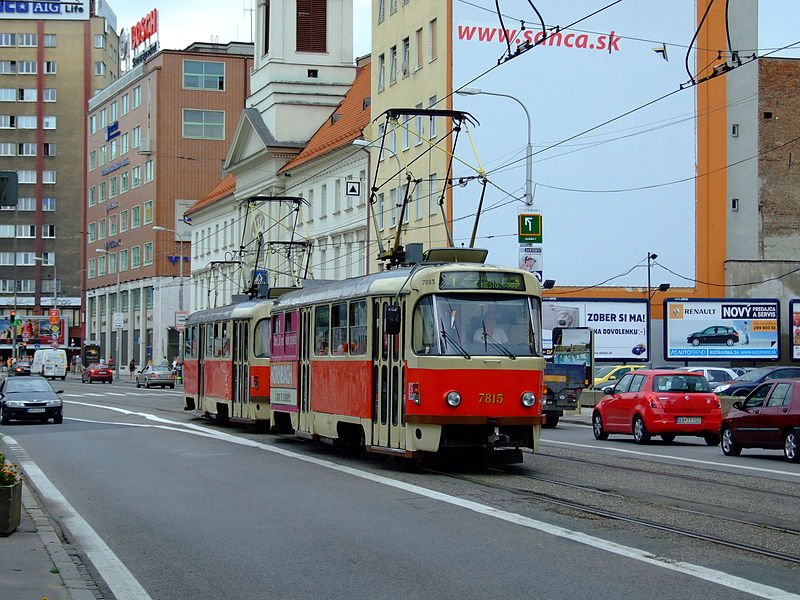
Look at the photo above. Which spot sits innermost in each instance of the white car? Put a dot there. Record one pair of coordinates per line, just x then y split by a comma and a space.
715, 375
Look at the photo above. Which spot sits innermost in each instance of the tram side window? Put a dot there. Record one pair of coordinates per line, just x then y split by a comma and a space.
321, 333
261, 339
209, 340
226, 340
190, 343
339, 344
217, 340
358, 327
423, 333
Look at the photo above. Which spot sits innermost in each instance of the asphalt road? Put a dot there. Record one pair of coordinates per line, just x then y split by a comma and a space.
203, 512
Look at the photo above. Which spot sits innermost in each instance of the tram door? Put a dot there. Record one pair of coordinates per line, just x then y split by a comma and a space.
201, 362
388, 414
306, 333
240, 390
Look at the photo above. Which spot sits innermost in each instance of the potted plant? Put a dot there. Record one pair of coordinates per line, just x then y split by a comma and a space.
10, 497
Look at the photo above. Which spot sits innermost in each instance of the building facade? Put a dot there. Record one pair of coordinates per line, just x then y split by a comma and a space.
50, 65
157, 141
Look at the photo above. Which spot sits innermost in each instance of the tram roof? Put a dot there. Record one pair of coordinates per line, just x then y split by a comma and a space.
221, 313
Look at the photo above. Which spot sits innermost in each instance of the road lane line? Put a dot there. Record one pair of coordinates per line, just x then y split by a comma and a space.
675, 458
116, 575
706, 574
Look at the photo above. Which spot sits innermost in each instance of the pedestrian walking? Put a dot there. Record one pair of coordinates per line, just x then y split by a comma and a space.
132, 367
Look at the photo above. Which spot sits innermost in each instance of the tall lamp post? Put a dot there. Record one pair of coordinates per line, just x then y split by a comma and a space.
180, 288
118, 306
469, 91
663, 287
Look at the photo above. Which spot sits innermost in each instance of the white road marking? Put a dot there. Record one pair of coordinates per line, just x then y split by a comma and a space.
711, 575
121, 581
675, 458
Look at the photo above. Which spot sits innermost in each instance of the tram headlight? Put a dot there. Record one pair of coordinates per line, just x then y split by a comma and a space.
453, 398
528, 399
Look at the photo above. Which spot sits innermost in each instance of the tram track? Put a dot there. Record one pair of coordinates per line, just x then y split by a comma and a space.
612, 515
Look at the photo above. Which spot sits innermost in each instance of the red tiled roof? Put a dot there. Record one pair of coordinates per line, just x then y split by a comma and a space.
222, 190
345, 124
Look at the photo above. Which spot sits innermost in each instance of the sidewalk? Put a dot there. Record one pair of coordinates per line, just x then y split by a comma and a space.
35, 564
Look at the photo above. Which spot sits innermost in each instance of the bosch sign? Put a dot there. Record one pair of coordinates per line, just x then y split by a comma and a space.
144, 29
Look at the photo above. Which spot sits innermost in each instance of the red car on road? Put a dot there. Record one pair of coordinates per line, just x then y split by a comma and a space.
97, 372
768, 418
652, 402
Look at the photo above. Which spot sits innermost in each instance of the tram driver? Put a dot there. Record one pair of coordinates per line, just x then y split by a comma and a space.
489, 331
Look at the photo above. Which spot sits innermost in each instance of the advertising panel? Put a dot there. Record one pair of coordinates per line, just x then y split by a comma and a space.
63, 10
721, 329
620, 326
34, 331
794, 319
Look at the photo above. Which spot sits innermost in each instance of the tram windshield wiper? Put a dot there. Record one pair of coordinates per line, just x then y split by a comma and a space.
449, 338
490, 341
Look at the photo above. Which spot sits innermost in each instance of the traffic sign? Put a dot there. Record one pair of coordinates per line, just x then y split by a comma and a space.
352, 188
117, 320
529, 228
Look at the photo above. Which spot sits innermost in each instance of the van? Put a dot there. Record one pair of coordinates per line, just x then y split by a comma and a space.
50, 362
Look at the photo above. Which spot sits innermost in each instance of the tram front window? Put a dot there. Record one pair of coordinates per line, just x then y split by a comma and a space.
476, 325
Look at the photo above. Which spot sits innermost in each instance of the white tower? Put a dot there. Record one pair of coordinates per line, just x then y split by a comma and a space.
303, 64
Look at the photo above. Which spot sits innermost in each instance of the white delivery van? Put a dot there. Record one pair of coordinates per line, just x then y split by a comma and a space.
50, 362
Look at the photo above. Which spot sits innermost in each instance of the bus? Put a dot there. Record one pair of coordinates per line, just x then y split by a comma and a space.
226, 363
439, 357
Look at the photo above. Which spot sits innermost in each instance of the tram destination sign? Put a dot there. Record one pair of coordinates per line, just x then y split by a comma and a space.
482, 280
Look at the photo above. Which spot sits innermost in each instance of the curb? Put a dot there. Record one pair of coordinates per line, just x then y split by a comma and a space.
64, 558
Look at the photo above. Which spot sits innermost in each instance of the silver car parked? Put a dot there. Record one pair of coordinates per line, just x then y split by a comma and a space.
155, 375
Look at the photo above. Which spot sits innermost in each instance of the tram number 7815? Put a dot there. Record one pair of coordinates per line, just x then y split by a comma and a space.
488, 398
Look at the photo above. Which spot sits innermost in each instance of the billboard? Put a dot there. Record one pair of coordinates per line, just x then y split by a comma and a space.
35, 331
64, 10
721, 329
620, 326
794, 319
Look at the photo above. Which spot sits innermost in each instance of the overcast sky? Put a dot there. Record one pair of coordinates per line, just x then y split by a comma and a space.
182, 22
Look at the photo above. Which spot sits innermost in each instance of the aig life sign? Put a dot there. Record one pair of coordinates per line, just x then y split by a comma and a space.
54, 9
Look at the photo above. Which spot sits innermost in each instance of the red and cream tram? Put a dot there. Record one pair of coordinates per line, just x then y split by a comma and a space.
226, 367
436, 358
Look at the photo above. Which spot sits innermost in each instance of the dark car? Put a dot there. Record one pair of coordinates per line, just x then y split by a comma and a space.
768, 418
21, 367
744, 384
716, 334
31, 398
97, 372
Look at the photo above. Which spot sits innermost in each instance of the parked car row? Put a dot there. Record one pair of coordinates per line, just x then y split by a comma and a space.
668, 403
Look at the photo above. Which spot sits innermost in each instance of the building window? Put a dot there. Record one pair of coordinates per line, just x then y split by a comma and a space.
406, 56
432, 122
124, 182
393, 65
7, 231
125, 100
49, 177
123, 221
26, 204
203, 75
380, 210
103, 155
420, 127
8, 66
203, 124
420, 49
137, 96
92, 196
8, 95
136, 220
137, 136
381, 74
92, 268
50, 40
6, 259
48, 122
26, 122
26, 176
92, 124
101, 267
101, 229
26, 231
137, 176
312, 25
103, 194
136, 257
27, 67
26, 40
114, 111
50, 94
100, 68
50, 67
92, 233
99, 41
112, 187
8, 40
48, 149
25, 149
148, 171
48, 231
433, 51
124, 143
112, 225
148, 212
148, 253
48, 204
27, 95
25, 259
123, 265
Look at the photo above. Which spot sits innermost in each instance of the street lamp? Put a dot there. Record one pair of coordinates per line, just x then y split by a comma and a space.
469, 91
180, 285
663, 287
43, 260
118, 306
